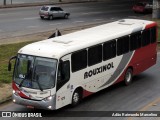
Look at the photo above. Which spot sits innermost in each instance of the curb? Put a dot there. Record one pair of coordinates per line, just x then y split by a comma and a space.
6, 100
43, 3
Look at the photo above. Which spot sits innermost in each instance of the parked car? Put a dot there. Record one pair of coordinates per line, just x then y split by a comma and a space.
143, 7
51, 12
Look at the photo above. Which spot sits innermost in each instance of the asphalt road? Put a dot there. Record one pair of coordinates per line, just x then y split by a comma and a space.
145, 87
143, 90
20, 21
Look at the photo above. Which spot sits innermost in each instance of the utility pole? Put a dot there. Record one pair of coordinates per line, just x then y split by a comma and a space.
156, 9
4, 2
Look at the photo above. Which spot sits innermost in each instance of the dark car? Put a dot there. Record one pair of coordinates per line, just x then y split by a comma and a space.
51, 12
143, 7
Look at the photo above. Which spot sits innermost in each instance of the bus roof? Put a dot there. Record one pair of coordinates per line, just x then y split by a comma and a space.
62, 45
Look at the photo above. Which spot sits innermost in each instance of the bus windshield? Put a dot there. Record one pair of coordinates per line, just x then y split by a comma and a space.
35, 72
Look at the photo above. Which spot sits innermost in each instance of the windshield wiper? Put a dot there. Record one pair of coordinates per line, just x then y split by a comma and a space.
20, 85
37, 79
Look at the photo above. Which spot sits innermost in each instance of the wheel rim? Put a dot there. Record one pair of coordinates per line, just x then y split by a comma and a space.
66, 16
128, 77
51, 17
75, 97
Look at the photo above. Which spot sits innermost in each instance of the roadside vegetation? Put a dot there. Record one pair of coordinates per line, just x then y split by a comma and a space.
7, 51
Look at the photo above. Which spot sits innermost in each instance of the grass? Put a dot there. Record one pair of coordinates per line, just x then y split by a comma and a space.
7, 51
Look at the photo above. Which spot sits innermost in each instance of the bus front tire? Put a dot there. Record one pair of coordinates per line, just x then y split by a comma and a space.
76, 98
128, 76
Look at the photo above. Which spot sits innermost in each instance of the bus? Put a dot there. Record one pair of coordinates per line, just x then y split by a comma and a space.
56, 72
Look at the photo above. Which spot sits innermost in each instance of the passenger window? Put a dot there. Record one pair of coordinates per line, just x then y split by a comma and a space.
109, 50
146, 37
135, 41
63, 74
94, 55
79, 60
153, 35
123, 45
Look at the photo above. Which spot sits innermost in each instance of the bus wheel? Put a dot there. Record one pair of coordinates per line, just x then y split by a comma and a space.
76, 98
128, 76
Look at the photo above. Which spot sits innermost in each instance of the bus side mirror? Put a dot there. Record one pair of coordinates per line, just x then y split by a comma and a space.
10, 64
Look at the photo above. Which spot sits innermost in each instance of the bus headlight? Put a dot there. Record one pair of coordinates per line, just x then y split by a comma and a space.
49, 107
15, 92
48, 98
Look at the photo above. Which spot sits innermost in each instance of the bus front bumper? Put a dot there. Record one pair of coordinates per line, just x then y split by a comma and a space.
41, 104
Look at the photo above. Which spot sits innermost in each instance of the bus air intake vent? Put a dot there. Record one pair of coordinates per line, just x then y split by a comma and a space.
62, 41
125, 22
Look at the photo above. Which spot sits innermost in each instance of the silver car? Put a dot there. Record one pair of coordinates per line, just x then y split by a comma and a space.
51, 12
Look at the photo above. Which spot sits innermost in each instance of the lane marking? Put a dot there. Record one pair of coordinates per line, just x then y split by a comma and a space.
150, 104
78, 21
147, 106
98, 19
112, 18
32, 26
56, 24
91, 13
2, 14
30, 18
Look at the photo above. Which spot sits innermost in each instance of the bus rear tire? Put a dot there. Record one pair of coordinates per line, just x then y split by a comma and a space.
76, 98
128, 76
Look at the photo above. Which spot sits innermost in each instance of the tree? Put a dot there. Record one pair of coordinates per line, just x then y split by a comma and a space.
156, 9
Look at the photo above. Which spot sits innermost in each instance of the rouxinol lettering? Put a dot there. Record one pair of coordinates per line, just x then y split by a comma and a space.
98, 70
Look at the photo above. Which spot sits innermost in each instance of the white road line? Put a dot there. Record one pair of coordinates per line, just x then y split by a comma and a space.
2, 14
31, 18
98, 19
78, 21
32, 26
56, 24
91, 13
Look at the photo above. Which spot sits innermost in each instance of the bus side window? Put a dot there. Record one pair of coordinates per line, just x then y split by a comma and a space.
146, 37
135, 41
94, 55
122, 45
153, 35
109, 50
79, 60
63, 73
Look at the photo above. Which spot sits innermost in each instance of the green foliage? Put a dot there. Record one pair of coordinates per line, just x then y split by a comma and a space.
6, 52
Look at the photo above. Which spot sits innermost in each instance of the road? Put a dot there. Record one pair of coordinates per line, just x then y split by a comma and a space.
21, 21
145, 87
143, 90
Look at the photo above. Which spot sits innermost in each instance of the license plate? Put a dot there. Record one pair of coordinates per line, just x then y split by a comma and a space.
29, 106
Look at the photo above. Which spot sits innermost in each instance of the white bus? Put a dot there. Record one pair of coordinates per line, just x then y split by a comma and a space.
53, 73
